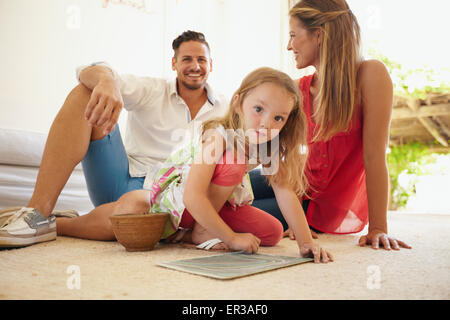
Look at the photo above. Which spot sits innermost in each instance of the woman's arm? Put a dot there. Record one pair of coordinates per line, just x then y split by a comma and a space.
377, 99
295, 217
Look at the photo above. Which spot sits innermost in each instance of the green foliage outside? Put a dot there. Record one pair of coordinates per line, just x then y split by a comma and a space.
413, 159
425, 77
409, 159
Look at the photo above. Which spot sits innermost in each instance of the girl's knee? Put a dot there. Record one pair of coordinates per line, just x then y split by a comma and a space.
256, 221
136, 201
273, 235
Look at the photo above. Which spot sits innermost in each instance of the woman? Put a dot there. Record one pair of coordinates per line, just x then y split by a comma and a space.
348, 104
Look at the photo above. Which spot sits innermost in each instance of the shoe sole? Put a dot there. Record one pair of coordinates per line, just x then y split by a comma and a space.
9, 242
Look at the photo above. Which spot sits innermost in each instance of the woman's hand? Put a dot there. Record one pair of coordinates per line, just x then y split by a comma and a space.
290, 234
377, 237
313, 250
244, 242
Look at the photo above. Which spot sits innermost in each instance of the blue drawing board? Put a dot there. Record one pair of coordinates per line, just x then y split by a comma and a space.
233, 265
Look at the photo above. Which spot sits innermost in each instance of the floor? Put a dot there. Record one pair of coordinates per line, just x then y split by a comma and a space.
71, 268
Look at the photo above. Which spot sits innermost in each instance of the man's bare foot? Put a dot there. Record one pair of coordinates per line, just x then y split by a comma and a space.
200, 235
181, 235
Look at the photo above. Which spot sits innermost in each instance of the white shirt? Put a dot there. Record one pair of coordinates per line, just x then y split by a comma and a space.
158, 119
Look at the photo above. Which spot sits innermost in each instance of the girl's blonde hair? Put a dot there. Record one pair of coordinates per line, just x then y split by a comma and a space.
339, 58
292, 137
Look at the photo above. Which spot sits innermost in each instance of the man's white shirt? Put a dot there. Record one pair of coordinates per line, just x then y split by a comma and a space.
158, 119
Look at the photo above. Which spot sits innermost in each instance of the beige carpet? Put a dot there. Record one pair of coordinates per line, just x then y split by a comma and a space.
107, 271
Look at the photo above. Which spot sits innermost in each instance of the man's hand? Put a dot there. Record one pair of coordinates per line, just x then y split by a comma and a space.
105, 105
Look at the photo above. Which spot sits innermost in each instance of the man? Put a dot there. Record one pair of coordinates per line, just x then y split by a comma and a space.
85, 130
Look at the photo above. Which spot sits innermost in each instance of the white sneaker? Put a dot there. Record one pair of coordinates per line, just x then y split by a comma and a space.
25, 227
6, 213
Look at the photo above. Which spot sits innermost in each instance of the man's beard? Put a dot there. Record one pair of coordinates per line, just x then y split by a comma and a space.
193, 87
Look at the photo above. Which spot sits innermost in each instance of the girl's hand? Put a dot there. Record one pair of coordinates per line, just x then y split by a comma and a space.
377, 237
245, 242
319, 254
290, 234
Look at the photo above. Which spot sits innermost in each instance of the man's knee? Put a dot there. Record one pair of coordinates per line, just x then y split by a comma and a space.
75, 103
80, 91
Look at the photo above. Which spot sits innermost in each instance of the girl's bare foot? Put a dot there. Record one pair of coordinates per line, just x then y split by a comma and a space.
200, 234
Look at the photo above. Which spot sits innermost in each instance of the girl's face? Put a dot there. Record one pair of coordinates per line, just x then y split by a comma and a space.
266, 109
304, 44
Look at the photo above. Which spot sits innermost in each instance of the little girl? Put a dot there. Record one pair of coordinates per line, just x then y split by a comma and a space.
204, 185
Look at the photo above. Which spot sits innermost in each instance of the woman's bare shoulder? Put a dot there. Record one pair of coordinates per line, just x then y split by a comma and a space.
375, 85
370, 68
373, 74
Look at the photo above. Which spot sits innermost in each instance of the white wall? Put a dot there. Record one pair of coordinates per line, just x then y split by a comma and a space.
43, 41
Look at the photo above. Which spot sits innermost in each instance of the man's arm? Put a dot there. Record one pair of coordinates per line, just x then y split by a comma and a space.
90, 76
105, 104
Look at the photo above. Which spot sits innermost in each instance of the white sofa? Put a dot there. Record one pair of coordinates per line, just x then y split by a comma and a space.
20, 157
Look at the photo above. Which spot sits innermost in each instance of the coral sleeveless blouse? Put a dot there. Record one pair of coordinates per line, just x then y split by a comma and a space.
336, 174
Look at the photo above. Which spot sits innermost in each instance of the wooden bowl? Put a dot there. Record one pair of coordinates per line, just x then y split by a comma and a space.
139, 232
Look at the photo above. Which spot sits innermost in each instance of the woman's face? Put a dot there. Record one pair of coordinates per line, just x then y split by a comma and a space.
304, 44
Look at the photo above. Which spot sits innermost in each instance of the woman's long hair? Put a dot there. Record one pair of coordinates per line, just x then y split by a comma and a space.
290, 152
339, 59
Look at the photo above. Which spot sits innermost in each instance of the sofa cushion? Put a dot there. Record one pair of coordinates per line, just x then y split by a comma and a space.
20, 147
